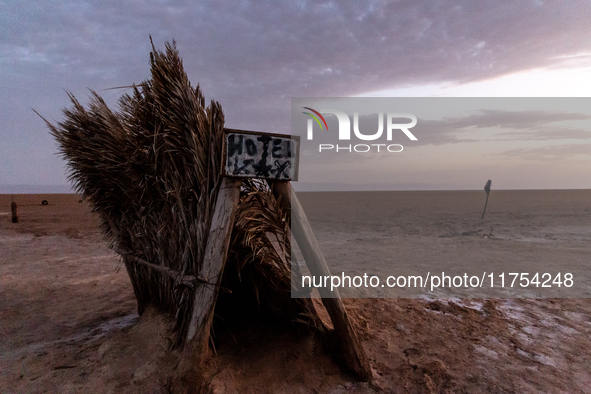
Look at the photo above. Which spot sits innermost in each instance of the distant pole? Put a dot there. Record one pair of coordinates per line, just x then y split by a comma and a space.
14, 212
487, 190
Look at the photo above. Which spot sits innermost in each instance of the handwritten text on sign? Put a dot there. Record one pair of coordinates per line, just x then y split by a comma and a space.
265, 156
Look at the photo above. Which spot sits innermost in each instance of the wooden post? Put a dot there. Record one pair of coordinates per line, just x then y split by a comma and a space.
352, 351
14, 212
487, 190
214, 260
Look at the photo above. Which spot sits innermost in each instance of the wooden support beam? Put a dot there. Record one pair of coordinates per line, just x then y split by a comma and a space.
353, 353
216, 251
188, 280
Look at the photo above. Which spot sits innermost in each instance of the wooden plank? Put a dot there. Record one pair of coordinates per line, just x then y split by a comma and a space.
253, 154
212, 269
353, 353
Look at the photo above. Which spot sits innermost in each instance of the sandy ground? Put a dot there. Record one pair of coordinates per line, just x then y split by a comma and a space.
68, 320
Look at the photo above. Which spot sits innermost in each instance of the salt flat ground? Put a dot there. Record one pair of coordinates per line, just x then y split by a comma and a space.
415, 233
68, 320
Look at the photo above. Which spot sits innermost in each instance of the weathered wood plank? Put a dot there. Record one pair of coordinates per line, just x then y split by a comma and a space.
212, 269
352, 351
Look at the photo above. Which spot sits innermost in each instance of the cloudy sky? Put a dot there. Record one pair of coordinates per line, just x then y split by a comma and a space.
253, 57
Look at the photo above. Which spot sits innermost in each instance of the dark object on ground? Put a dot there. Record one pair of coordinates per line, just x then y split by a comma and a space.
487, 190
44, 202
14, 209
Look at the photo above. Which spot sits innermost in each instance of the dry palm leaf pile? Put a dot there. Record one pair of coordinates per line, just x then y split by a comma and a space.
151, 171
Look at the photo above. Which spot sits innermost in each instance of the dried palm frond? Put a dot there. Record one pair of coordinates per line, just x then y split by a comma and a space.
151, 172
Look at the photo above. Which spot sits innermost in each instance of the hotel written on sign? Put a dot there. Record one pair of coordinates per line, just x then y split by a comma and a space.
249, 154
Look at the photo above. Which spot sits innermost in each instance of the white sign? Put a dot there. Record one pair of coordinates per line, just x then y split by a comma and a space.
250, 154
